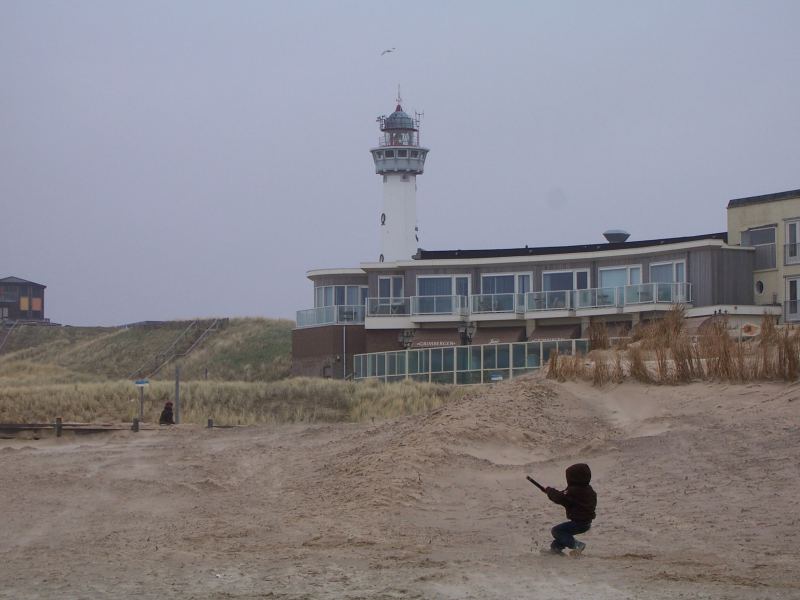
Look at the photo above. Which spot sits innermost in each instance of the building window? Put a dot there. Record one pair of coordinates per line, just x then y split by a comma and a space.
763, 240
670, 272
792, 246
555, 281
9, 293
414, 153
759, 287
511, 283
379, 155
390, 154
613, 277
339, 295
390, 287
402, 154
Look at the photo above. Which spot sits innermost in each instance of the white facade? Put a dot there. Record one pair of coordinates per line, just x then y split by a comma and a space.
399, 217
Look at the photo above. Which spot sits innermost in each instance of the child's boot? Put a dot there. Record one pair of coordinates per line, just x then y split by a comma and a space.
578, 550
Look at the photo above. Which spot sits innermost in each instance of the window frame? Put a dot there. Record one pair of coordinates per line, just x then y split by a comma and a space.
668, 262
574, 278
515, 274
452, 277
627, 268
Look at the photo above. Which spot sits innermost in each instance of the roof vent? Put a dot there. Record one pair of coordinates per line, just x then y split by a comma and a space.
616, 236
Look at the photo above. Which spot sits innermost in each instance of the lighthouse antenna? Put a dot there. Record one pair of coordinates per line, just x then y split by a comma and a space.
399, 97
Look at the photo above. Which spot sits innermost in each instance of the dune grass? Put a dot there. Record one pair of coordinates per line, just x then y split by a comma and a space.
228, 403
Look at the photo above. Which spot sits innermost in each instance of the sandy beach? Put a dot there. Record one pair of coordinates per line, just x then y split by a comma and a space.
697, 488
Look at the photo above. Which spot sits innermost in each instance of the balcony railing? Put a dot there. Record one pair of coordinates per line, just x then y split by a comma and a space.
439, 305
654, 293
330, 315
791, 254
598, 297
497, 303
554, 300
388, 307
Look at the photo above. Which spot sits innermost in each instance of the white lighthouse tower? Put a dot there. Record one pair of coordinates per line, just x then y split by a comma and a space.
399, 158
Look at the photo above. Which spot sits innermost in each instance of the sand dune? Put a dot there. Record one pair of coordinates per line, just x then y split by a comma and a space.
697, 494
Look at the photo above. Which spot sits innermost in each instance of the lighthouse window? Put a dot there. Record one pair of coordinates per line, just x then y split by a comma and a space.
379, 155
390, 154
402, 154
414, 153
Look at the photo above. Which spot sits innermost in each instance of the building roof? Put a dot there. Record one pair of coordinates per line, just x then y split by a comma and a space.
18, 280
765, 198
503, 252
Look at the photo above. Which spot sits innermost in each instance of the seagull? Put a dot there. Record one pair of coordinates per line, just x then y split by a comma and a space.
388, 50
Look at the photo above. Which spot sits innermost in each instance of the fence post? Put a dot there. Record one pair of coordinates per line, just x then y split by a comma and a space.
210, 423
177, 394
135, 424
58, 426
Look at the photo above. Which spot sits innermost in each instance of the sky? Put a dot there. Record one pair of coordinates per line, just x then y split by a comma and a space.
163, 160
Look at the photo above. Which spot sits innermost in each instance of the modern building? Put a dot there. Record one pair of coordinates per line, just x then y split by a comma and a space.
21, 300
519, 298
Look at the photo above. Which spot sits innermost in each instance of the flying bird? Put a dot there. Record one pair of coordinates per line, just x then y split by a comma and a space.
388, 50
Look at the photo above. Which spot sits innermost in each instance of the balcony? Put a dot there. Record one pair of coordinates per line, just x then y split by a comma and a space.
330, 315
553, 300
439, 305
658, 293
497, 303
388, 307
791, 254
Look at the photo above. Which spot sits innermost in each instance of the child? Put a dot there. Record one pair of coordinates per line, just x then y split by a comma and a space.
166, 415
580, 501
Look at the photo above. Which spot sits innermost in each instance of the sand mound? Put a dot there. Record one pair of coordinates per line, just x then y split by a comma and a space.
696, 488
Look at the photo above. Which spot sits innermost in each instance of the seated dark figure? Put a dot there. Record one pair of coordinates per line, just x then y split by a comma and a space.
166, 417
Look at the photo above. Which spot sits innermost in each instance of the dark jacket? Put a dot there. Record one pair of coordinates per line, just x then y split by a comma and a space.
166, 417
579, 498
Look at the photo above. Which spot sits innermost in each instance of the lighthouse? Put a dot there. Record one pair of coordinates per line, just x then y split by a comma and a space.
399, 159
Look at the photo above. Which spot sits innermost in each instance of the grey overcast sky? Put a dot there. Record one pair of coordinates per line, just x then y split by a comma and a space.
165, 160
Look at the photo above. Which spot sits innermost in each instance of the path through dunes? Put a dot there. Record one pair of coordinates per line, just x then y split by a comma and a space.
697, 487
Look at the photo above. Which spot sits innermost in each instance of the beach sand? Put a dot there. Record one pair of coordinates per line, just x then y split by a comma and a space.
697, 487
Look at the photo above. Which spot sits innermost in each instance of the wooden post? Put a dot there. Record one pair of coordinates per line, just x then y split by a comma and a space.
210, 423
135, 424
141, 403
58, 426
177, 394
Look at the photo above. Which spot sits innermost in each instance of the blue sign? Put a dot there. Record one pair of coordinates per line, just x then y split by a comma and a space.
141, 382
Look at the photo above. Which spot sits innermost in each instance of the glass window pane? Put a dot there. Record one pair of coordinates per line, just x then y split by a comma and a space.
364, 295
518, 355
523, 284
447, 359
391, 363
401, 363
503, 358
384, 287
613, 277
397, 287
328, 298
462, 286
636, 275
339, 295
489, 357
413, 361
318, 297
582, 279
462, 359
435, 286
680, 272
497, 284
436, 360
352, 295
557, 281
661, 273
475, 357
761, 236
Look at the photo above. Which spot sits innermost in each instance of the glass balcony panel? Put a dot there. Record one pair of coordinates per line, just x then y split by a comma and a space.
388, 307
493, 303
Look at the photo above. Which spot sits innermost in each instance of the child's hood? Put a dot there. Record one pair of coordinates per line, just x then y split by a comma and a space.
579, 474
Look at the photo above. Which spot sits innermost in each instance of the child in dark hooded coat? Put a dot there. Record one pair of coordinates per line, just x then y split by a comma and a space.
166, 417
580, 501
